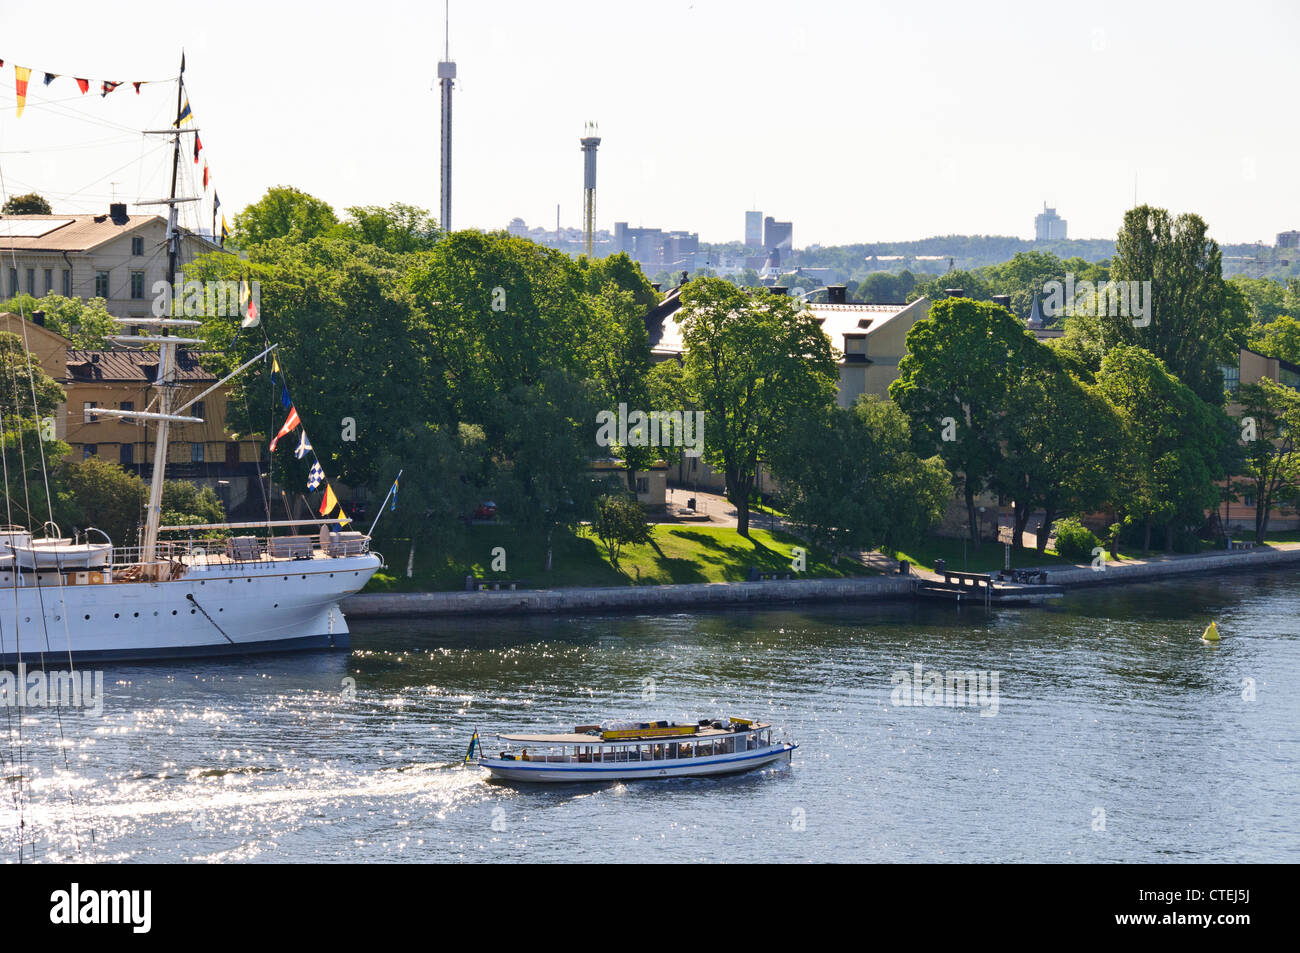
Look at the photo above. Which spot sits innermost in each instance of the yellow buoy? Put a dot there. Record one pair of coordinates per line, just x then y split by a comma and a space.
1211, 633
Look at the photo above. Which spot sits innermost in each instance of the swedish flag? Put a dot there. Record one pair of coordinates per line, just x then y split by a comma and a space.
185, 115
473, 743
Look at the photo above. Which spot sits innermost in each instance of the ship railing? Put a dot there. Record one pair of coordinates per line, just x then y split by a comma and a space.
241, 550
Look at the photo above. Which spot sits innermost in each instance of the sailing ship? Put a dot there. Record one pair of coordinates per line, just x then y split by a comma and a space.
89, 599
637, 751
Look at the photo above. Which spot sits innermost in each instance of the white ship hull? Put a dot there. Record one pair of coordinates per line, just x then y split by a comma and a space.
250, 607
639, 771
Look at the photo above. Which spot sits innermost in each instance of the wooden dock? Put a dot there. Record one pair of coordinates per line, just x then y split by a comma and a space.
984, 589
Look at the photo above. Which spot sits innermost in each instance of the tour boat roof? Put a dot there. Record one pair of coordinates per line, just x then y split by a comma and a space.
573, 738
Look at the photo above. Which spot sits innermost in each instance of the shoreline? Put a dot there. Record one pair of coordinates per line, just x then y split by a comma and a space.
720, 594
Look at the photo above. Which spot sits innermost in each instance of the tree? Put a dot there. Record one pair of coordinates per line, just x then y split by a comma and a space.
1059, 451
1193, 324
954, 381
29, 204
851, 481
186, 502
619, 521
95, 492
399, 229
1269, 422
284, 212
753, 360
1279, 338
87, 324
1179, 444
26, 391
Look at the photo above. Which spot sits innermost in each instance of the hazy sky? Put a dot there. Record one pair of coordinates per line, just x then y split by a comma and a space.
861, 121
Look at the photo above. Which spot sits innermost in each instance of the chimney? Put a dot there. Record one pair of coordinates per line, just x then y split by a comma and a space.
117, 212
38, 318
779, 290
837, 294
1003, 300
655, 285
955, 292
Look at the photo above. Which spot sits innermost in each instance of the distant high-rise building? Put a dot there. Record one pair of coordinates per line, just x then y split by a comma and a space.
1048, 226
1288, 239
778, 235
753, 229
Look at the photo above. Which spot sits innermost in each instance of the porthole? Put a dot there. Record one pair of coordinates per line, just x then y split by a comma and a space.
87, 615
137, 615
117, 615
173, 612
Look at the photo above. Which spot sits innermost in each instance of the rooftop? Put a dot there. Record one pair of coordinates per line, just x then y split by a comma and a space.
131, 366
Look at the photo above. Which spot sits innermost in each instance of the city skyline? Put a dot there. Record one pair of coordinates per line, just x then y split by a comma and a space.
872, 125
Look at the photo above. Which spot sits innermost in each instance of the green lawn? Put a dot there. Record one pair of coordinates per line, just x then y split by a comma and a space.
676, 554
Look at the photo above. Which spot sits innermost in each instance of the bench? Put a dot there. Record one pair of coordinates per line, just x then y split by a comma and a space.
482, 584
290, 547
243, 549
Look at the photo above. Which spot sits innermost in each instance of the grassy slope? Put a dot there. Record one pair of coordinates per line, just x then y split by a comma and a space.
677, 554
988, 558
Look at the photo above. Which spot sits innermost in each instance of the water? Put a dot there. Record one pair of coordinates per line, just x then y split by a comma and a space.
1118, 736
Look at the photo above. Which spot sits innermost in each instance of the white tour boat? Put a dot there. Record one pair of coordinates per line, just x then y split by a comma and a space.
638, 751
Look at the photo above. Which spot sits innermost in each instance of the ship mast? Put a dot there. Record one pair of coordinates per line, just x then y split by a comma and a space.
165, 379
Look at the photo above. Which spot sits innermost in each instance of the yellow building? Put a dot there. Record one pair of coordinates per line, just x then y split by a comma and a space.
122, 379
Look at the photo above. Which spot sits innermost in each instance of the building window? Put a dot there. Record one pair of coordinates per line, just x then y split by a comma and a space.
67, 283
101, 284
137, 246
49, 280
196, 453
196, 409
88, 412
128, 405
31, 282
642, 485
137, 285
13, 282
1231, 376
126, 454
89, 450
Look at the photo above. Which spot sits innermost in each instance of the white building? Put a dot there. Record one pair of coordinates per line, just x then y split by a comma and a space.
116, 256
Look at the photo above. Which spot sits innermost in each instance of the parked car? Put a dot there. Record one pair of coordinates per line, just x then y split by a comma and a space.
486, 511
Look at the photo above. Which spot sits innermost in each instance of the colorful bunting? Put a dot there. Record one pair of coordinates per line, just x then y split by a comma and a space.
316, 477
205, 175
83, 85
290, 425
137, 87
50, 77
198, 147
225, 231
330, 502
186, 113
107, 87
21, 75
303, 447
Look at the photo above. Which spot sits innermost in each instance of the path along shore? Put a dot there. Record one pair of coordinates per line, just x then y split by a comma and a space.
718, 594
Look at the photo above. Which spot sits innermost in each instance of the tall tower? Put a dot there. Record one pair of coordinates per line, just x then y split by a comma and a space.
589, 143
446, 79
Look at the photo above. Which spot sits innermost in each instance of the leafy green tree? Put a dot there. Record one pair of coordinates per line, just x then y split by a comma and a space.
284, 212
87, 324
1278, 338
1194, 323
1269, 422
1266, 299
973, 285
29, 204
1179, 444
399, 229
961, 362
850, 478
26, 391
186, 502
95, 492
1059, 450
753, 359
619, 521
